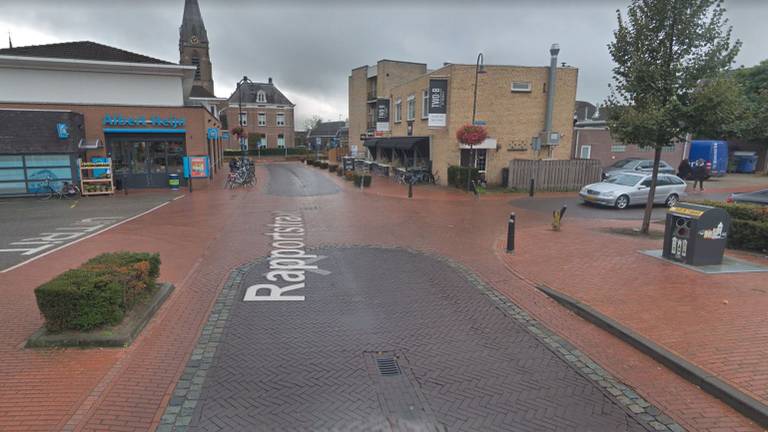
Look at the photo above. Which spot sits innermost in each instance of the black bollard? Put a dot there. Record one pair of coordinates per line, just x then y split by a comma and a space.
189, 181
410, 190
511, 233
530, 189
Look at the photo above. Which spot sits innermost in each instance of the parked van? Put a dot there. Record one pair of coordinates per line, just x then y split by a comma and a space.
714, 153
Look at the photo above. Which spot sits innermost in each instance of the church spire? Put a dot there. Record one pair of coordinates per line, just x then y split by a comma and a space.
192, 27
194, 49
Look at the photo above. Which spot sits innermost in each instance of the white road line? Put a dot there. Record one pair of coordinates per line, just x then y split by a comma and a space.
85, 238
179, 197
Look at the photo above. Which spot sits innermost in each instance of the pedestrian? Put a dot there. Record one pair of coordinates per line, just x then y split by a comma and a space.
699, 174
684, 169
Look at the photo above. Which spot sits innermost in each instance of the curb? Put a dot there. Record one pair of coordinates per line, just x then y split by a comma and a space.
730, 395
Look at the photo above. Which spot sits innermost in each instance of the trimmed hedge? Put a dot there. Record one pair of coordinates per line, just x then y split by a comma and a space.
457, 176
97, 293
749, 225
323, 165
365, 179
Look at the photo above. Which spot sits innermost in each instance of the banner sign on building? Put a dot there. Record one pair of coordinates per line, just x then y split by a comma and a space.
213, 133
196, 166
438, 102
63, 130
382, 115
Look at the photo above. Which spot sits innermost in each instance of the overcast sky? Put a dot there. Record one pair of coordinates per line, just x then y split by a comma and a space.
309, 47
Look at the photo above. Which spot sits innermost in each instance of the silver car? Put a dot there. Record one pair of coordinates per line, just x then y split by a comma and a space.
639, 166
624, 189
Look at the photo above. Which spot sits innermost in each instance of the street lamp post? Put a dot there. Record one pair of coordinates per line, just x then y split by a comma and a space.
479, 68
245, 80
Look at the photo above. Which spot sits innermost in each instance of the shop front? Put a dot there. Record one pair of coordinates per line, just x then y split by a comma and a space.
146, 160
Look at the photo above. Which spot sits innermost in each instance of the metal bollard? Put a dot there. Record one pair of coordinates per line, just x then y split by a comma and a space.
530, 189
410, 190
511, 233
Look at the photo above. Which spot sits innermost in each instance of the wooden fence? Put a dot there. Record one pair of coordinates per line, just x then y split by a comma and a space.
553, 175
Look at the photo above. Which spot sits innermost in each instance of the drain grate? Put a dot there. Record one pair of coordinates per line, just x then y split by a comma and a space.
388, 366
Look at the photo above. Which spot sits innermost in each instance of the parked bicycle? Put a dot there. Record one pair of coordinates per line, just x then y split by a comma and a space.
67, 190
414, 177
244, 175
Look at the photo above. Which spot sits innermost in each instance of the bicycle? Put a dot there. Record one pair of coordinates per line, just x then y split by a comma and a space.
68, 190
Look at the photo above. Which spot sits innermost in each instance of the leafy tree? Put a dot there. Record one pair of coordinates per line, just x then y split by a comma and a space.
754, 82
662, 51
312, 123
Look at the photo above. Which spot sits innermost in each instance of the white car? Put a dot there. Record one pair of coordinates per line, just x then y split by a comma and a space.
625, 189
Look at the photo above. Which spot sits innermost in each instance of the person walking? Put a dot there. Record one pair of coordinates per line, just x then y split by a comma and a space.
699, 173
684, 169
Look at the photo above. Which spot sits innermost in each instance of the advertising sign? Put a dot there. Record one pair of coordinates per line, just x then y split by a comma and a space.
438, 102
213, 133
196, 166
62, 130
382, 115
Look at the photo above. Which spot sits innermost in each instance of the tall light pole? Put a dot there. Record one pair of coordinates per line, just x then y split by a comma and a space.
479, 68
245, 80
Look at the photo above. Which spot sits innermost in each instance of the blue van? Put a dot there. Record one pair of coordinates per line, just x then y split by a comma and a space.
714, 153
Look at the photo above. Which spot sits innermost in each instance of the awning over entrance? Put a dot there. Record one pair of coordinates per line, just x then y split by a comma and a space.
399, 143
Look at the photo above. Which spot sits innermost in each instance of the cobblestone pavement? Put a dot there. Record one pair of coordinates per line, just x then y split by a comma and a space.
461, 362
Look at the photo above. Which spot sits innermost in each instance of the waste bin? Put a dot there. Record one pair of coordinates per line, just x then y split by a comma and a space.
696, 234
173, 181
746, 162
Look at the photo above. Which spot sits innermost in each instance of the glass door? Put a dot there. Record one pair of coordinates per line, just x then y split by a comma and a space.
157, 164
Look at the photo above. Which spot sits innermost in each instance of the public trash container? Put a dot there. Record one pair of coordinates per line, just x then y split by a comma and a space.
173, 181
746, 162
696, 234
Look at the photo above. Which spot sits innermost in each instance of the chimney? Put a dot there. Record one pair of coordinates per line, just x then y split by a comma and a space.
270, 80
554, 51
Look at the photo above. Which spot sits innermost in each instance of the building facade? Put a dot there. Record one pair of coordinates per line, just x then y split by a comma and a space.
511, 103
267, 115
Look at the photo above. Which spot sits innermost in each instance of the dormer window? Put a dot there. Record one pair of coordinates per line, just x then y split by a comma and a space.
261, 96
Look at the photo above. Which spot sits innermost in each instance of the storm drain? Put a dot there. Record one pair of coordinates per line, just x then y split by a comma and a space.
399, 394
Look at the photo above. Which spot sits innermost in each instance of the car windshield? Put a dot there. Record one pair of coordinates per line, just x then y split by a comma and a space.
622, 163
624, 179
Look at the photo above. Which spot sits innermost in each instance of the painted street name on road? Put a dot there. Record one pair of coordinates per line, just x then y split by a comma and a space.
47, 240
288, 261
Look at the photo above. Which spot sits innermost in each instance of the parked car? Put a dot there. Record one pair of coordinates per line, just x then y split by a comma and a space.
758, 197
714, 154
643, 166
624, 189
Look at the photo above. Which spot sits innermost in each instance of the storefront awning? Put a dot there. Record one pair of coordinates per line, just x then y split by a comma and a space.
399, 143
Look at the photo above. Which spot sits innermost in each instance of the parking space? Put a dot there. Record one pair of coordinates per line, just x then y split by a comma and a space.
32, 227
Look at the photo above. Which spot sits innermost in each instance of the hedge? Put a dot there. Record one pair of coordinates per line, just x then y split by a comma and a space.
332, 168
323, 165
292, 151
457, 176
97, 293
365, 178
749, 225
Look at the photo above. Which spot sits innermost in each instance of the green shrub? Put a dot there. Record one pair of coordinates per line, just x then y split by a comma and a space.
98, 293
457, 176
365, 179
749, 235
323, 165
332, 168
742, 211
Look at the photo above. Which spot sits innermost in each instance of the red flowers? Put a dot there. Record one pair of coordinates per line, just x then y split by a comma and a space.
471, 135
239, 132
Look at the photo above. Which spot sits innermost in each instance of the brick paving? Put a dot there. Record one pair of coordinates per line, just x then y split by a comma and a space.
203, 236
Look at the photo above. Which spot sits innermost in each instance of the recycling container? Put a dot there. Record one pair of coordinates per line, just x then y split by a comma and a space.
696, 234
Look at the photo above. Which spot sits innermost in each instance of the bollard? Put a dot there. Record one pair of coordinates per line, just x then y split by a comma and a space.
410, 189
125, 184
530, 189
189, 181
511, 233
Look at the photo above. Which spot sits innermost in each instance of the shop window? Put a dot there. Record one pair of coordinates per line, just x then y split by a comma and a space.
424, 104
47, 160
280, 141
11, 162
280, 119
411, 114
11, 174
175, 157
7, 188
262, 119
398, 111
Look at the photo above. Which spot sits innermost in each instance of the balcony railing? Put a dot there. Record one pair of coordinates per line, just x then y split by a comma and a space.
371, 95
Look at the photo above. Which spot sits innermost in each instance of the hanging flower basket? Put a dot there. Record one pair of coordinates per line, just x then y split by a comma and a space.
471, 135
239, 132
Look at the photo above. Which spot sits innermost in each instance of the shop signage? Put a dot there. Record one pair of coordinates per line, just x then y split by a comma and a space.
225, 135
382, 115
156, 121
213, 133
438, 102
63, 130
196, 166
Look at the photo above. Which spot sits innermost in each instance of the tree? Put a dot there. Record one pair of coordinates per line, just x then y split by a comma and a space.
754, 83
312, 123
662, 51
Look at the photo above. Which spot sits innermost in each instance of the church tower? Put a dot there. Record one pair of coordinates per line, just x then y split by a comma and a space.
193, 45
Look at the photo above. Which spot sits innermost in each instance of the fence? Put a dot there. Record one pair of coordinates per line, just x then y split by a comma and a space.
553, 175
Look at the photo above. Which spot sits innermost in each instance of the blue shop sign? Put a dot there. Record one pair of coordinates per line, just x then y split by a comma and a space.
213, 133
63, 130
225, 135
155, 121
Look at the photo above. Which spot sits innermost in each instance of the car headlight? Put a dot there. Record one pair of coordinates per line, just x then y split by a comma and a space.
609, 194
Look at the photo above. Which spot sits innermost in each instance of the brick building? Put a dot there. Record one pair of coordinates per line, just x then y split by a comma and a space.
266, 114
390, 114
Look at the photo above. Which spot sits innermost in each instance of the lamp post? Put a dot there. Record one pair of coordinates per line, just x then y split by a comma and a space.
245, 80
479, 68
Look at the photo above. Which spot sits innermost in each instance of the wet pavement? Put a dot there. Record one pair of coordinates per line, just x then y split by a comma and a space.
295, 180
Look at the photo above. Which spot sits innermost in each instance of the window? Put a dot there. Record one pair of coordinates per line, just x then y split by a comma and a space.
280, 141
398, 111
263, 141
411, 114
261, 96
262, 119
280, 119
244, 118
196, 63
618, 148
586, 152
522, 87
424, 104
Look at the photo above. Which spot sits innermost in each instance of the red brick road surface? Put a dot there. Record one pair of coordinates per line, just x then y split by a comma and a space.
206, 234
